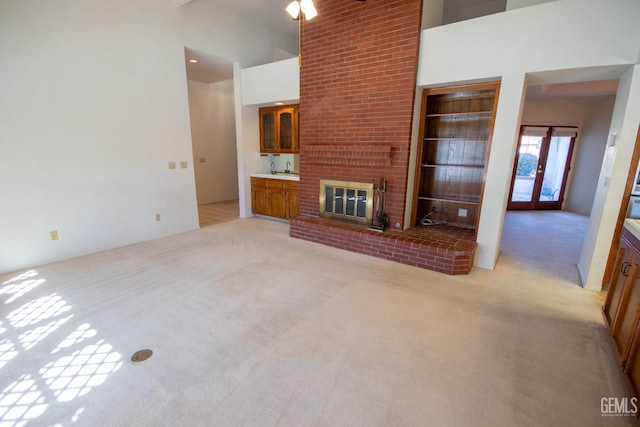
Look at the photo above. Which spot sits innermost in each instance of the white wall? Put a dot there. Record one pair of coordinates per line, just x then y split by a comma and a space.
512, 43
247, 143
213, 134
93, 106
270, 83
588, 155
552, 111
601, 44
612, 180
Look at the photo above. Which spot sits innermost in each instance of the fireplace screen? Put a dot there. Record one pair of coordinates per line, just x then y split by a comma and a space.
351, 201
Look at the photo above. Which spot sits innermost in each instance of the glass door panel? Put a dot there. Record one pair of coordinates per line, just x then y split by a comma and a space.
554, 171
526, 168
541, 168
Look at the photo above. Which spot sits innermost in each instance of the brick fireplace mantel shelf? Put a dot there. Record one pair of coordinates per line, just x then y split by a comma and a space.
440, 248
348, 155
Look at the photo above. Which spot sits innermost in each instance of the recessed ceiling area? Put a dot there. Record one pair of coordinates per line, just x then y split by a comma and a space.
580, 82
577, 89
208, 68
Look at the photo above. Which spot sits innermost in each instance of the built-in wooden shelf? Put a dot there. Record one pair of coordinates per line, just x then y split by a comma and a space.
466, 113
445, 165
471, 200
453, 138
455, 135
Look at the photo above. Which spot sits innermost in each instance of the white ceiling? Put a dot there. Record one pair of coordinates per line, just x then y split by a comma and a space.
272, 14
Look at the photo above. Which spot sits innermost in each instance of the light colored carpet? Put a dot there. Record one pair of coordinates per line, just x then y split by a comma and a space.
547, 241
252, 328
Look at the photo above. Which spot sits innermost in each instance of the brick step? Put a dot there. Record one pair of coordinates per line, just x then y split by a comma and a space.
439, 248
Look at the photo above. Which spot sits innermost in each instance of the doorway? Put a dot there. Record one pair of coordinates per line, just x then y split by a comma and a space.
541, 167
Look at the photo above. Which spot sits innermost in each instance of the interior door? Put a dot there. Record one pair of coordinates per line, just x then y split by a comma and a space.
541, 167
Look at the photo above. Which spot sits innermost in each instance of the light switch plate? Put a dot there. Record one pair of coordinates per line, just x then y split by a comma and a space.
183, 165
172, 165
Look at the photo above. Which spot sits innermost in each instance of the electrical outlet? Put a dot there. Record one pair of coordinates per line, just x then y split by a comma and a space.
183, 165
172, 165
157, 217
54, 234
462, 213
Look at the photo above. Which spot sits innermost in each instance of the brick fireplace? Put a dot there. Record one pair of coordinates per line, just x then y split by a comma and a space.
357, 89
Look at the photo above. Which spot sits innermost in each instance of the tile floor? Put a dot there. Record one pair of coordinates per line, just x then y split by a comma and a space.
215, 213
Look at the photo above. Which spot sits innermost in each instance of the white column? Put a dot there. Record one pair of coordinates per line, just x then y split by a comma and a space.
611, 182
499, 169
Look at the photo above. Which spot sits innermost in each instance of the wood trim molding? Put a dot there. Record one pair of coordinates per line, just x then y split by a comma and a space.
348, 155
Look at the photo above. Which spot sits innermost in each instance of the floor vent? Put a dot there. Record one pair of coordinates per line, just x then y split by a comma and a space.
142, 355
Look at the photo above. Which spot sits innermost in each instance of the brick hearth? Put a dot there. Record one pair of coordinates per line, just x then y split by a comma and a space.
440, 248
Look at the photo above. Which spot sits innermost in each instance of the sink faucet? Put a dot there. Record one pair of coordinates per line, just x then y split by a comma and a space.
273, 168
287, 169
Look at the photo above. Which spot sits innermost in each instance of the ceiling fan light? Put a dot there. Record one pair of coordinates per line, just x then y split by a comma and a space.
294, 9
308, 9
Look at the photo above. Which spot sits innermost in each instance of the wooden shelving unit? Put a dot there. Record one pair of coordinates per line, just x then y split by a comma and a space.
455, 136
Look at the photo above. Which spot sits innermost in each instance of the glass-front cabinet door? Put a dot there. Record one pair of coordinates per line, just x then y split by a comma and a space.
279, 129
267, 130
285, 118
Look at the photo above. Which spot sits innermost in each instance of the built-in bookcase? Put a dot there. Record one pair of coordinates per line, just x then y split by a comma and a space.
455, 136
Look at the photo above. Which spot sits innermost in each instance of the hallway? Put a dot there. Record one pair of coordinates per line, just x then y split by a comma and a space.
215, 213
550, 241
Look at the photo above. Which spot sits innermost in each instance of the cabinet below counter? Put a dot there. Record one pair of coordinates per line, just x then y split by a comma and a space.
275, 196
622, 307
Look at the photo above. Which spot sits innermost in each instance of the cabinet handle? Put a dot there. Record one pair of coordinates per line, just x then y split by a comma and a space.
625, 269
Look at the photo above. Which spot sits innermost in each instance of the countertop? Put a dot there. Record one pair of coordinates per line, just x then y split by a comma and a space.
633, 225
279, 175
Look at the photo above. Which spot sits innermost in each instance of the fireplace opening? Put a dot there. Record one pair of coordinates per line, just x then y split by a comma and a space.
348, 201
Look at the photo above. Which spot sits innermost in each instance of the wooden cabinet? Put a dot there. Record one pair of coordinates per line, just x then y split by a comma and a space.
453, 149
623, 258
274, 197
293, 199
260, 203
631, 364
279, 129
622, 309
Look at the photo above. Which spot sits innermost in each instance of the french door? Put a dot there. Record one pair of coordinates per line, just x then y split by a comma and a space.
541, 167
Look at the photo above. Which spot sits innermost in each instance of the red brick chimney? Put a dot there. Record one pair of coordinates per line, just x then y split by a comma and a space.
357, 89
